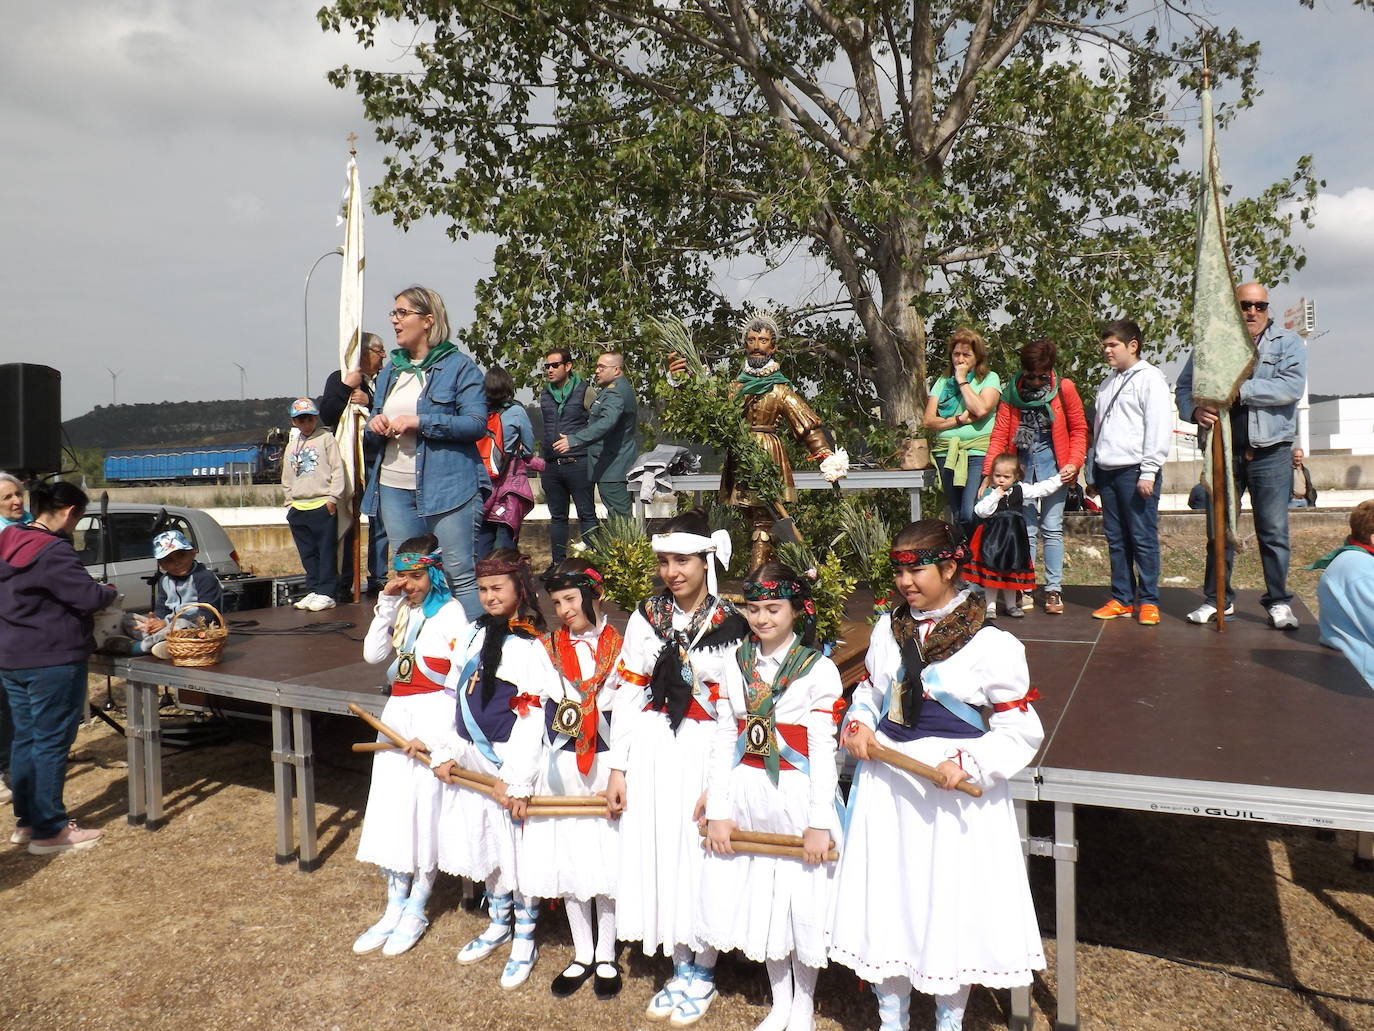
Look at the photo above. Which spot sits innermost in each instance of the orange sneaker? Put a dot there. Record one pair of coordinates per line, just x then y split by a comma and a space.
1149, 615
1114, 609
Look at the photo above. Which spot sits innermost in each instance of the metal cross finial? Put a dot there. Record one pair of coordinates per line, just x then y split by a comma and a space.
352, 141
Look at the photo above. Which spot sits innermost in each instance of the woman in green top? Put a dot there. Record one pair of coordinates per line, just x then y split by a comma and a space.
961, 409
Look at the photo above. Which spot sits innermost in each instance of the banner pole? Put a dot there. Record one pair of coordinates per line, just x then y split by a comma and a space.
1220, 524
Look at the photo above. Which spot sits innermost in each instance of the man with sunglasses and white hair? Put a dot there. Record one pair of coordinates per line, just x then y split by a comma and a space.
1264, 421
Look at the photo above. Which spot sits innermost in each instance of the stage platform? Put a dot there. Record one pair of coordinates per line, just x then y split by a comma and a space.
1251, 724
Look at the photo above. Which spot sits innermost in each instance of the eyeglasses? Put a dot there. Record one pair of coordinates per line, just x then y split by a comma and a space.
554, 365
397, 314
1256, 305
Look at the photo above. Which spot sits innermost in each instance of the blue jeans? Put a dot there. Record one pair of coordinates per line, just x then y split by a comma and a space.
315, 532
960, 500
457, 533
491, 536
563, 479
46, 704
1045, 518
1269, 478
1132, 527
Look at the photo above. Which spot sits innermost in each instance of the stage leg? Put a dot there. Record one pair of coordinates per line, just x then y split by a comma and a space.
915, 494
133, 739
1066, 915
152, 755
1020, 997
304, 761
281, 782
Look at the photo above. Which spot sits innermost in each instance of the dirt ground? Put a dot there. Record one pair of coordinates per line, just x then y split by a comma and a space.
1185, 923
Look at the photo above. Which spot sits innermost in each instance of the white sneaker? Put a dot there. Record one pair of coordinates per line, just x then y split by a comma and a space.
1282, 618
161, 651
320, 602
992, 610
1207, 612
304, 603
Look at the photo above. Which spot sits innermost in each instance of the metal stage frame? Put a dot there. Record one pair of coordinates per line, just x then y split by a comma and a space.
1172, 719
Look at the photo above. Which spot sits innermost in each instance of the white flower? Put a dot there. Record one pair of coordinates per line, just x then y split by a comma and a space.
577, 546
836, 467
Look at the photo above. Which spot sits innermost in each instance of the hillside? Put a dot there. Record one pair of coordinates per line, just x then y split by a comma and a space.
176, 422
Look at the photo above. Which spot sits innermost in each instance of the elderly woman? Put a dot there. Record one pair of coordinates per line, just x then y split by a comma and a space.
46, 602
961, 408
11, 501
1041, 420
429, 409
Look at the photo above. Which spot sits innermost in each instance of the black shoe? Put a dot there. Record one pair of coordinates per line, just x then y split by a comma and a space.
572, 978
607, 987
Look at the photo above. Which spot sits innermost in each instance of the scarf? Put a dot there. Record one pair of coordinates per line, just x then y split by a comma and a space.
401, 360
954, 630
498, 628
561, 394
671, 683
1351, 544
951, 401
751, 385
761, 700
559, 645
1036, 413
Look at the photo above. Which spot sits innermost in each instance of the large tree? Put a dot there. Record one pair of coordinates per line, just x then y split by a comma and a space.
1018, 166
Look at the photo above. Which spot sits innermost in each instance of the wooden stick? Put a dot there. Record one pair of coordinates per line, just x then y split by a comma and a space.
757, 848
903, 762
565, 810
583, 801
381, 728
761, 838
1221, 525
374, 746
551, 805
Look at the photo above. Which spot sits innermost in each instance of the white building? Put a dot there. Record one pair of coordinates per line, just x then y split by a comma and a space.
1343, 424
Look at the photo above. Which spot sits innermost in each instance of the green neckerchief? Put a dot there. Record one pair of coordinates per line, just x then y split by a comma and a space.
561, 394
401, 361
750, 385
1351, 544
762, 699
1012, 395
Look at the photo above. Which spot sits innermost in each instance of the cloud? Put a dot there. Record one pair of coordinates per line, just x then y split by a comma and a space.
1342, 235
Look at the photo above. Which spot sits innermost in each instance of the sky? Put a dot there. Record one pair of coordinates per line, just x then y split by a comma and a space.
172, 169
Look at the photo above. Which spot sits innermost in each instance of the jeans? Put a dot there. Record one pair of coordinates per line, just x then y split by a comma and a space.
491, 536
1045, 518
565, 478
1269, 478
46, 704
615, 495
375, 553
315, 532
6, 732
457, 533
1132, 527
960, 500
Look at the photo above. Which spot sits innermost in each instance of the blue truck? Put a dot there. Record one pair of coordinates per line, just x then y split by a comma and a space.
194, 463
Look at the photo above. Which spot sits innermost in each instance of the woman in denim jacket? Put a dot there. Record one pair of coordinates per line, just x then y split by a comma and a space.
429, 410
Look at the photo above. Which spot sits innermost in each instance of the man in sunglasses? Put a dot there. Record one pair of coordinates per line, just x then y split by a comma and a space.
1264, 421
565, 404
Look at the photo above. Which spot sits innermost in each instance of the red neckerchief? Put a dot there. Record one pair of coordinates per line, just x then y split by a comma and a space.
563, 654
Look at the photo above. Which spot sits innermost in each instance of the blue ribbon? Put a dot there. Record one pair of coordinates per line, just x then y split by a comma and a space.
475, 732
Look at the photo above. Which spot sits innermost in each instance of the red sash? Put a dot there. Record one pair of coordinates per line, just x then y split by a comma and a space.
421, 680
795, 736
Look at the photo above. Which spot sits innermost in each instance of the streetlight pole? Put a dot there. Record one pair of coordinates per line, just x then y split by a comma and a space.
243, 376
114, 385
306, 305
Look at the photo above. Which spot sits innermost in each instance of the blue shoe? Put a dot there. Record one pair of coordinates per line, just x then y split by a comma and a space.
498, 932
518, 971
376, 936
694, 1002
663, 1003
407, 933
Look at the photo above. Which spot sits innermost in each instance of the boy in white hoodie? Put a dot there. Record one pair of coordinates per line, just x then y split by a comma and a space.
312, 473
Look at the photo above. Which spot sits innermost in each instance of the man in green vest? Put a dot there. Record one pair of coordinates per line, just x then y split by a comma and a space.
611, 435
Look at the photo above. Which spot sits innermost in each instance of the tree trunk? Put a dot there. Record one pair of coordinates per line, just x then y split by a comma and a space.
898, 336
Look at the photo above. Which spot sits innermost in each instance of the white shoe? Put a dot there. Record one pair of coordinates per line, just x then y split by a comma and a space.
161, 651
406, 934
1207, 612
1282, 618
304, 603
320, 602
376, 936
992, 610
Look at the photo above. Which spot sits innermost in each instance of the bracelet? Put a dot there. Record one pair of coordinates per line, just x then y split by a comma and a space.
852, 727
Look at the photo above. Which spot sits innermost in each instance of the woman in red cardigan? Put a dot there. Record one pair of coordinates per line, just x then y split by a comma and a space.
1040, 420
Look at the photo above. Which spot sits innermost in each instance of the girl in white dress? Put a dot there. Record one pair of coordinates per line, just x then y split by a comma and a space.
575, 858
500, 676
773, 771
414, 626
678, 647
932, 890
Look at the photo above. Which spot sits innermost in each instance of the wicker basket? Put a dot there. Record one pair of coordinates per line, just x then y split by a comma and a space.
193, 647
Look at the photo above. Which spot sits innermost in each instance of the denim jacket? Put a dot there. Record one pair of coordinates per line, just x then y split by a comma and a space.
453, 415
1271, 392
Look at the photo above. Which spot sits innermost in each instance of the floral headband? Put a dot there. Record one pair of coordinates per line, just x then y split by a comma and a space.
582, 580
499, 567
773, 590
414, 560
950, 551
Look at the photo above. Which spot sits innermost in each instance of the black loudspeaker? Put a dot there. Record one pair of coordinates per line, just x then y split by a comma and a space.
30, 419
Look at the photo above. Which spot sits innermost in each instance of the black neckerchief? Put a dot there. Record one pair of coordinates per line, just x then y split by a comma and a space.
671, 683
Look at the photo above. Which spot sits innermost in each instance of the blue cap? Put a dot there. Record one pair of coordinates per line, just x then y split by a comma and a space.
303, 406
169, 542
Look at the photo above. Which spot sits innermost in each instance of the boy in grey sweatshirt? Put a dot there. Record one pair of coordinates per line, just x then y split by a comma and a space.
312, 473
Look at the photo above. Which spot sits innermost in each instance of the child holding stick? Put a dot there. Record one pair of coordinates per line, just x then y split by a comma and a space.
773, 771
414, 627
931, 887
678, 646
498, 681
576, 857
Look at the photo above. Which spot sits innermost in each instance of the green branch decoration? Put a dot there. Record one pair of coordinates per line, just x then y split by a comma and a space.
703, 409
830, 587
870, 541
621, 551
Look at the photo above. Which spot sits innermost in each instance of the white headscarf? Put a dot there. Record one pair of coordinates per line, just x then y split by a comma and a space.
680, 543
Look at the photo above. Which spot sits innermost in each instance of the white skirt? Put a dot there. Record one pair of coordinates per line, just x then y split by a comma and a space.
477, 837
661, 857
570, 856
401, 823
767, 907
932, 884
